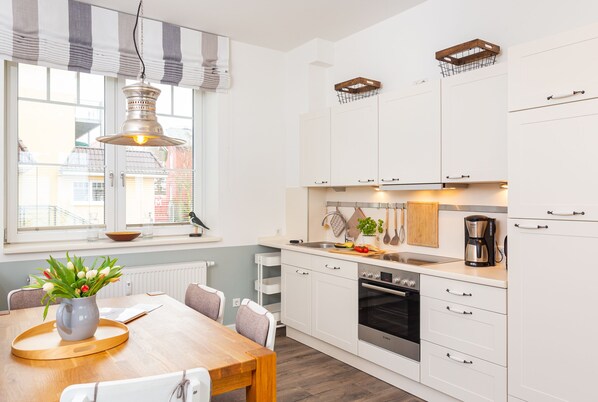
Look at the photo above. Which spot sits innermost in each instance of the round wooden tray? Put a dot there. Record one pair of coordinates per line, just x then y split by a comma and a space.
43, 342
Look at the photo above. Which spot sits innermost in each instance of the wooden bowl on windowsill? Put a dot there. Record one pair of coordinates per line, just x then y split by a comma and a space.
122, 236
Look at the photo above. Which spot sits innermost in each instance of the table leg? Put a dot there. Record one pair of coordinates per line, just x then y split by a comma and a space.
263, 384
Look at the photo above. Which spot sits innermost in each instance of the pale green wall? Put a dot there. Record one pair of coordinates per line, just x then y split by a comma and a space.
233, 273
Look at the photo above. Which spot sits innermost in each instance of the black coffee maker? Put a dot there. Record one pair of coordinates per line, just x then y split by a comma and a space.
479, 241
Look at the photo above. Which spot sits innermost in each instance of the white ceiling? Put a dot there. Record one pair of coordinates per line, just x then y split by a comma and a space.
275, 24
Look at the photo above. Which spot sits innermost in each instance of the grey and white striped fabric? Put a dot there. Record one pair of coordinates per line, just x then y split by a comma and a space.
77, 36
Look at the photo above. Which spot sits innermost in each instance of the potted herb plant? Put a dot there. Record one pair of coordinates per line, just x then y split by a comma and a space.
369, 229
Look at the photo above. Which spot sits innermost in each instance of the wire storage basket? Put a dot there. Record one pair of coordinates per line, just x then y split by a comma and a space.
357, 88
467, 56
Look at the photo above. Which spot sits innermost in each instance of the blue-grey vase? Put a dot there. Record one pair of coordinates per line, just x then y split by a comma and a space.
77, 318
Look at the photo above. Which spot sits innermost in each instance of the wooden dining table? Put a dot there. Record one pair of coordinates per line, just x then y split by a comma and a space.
170, 338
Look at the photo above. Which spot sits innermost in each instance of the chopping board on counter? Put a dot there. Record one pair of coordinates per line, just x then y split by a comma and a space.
422, 224
349, 251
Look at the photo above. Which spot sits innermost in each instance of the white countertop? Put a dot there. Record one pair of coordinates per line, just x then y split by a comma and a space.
491, 276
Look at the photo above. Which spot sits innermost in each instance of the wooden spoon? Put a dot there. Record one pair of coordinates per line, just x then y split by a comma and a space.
386, 238
395, 240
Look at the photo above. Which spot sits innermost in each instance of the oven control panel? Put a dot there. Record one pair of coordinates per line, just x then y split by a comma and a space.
396, 277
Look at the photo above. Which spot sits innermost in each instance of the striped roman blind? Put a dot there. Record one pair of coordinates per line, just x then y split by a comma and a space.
77, 36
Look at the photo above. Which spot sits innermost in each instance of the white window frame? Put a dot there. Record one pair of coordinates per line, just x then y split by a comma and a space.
114, 174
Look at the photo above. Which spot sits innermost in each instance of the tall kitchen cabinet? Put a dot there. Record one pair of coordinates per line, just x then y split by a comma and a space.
474, 126
410, 135
553, 209
314, 133
354, 143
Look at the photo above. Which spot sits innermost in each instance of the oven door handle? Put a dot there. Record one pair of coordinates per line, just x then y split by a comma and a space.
385, 290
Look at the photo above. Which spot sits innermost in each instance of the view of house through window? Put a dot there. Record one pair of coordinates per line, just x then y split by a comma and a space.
63, 169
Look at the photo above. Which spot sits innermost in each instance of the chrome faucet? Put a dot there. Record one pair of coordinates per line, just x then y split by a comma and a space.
337, 213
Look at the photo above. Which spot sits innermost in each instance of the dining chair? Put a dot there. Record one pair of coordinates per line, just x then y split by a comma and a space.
256, 323
187, 386
25, 298
208, 301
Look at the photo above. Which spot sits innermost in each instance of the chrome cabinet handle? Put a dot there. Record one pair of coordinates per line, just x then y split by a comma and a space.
300, 272
459, 311
458, 359
458, 293
463, 176
122, 178
320, 182
561, 96
331, 267
384, 290
531, 226
111, 177
565, 213
366, 181
389, 180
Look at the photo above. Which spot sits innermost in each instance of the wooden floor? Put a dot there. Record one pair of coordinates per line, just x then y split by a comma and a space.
304, 374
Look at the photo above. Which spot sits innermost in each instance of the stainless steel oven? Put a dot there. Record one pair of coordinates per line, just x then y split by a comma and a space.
389, 309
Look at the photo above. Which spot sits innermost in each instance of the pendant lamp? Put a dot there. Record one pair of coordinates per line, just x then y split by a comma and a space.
141, 127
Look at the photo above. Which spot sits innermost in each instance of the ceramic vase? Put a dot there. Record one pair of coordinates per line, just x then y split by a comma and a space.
77, 318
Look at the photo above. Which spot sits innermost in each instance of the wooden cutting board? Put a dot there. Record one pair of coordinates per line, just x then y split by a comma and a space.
422, 224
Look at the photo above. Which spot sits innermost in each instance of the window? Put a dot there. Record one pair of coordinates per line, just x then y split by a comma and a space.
61, 179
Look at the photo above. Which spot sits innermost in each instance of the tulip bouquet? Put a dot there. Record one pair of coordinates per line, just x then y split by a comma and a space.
74, 279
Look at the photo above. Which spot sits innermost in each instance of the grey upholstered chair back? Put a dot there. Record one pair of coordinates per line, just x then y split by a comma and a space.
25, 298
256, 323
208, 301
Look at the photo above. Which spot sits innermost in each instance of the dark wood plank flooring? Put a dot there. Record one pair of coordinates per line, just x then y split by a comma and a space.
304, 374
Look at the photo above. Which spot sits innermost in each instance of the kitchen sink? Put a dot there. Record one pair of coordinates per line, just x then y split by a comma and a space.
317, 244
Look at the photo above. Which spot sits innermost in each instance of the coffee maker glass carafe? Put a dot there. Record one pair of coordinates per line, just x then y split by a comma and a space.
479, 241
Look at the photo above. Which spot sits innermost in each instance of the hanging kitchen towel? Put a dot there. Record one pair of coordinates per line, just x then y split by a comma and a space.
352, 230
338, 223
422, 224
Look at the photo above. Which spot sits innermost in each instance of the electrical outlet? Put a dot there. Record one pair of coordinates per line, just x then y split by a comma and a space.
236, 302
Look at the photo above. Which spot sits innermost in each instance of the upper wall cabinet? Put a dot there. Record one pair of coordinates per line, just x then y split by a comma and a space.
474, 126
354, 145
410, 135
314, 132
557, 69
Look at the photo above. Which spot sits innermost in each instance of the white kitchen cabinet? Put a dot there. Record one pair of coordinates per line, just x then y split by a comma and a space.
410, 135
334, 313
474, 126
552, 162
314, 133
354, 143
296, 298
552, 310
556, 69
462, 376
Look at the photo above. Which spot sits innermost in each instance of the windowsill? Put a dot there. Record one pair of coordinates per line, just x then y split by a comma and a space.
182, 241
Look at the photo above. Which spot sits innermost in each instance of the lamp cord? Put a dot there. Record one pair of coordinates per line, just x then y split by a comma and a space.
142, 74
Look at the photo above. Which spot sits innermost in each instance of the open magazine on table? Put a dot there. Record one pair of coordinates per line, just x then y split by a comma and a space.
127, 314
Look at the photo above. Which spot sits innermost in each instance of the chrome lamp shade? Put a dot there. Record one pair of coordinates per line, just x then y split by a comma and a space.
141, 127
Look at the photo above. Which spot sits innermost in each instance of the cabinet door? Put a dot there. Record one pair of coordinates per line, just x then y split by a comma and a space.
354, 145
410, 135
552, 328
334, 311
552, 162
556, 69
314, 132
296, 298
474, 126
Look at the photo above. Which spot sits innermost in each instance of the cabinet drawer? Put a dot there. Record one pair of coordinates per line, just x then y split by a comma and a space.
469, 294
462, 376
344, 269
557, 69
296, 259
470, 330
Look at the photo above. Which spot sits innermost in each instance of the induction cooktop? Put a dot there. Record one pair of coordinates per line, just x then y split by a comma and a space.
414, 258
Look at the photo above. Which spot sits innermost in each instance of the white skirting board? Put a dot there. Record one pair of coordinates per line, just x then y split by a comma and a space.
171, 279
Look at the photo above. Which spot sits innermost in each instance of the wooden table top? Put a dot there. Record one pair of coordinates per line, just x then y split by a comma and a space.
171, 338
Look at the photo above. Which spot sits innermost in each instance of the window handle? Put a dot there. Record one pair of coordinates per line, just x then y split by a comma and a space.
122, 178
111, 177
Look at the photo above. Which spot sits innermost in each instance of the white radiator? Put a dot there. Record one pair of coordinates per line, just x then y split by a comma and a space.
172, 279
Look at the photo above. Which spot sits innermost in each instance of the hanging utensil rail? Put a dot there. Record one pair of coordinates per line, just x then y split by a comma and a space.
442, 207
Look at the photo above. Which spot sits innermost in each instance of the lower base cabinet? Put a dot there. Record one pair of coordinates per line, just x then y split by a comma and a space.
296, 298
462, 376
